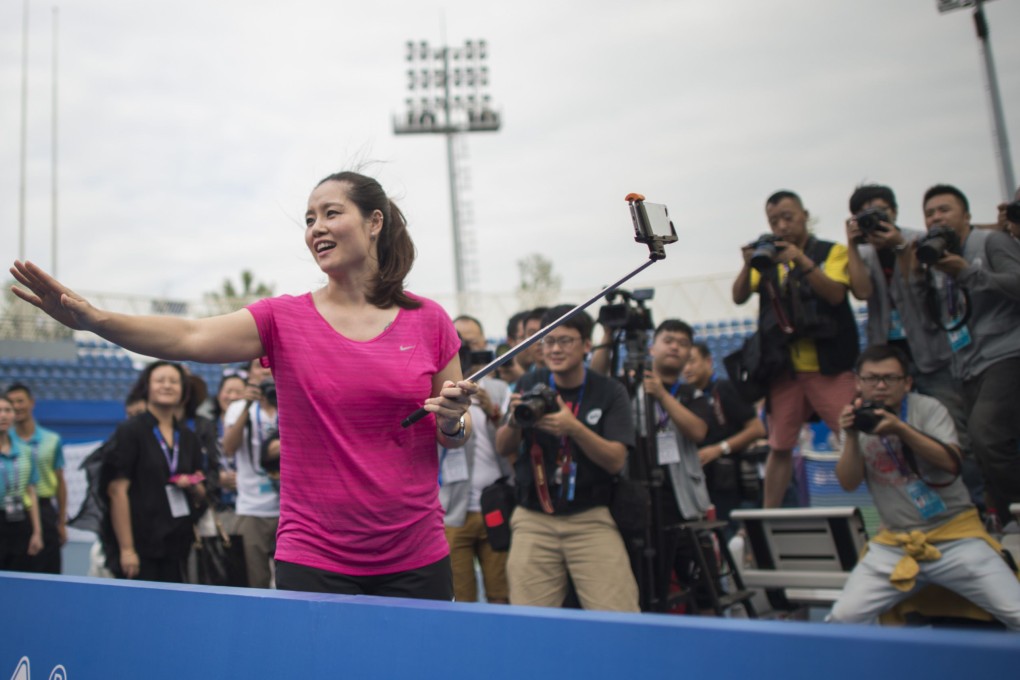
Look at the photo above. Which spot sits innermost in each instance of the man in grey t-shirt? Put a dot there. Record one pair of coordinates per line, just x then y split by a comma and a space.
909, 456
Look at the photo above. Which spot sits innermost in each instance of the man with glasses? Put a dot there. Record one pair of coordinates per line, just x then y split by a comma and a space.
881, 264
905, 447
565, 467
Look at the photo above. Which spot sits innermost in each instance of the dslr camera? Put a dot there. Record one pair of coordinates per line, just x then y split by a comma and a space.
868, 415
869, 221
268, 388
534, 404
764, 251
937, 243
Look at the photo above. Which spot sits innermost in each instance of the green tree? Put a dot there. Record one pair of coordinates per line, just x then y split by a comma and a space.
231, 297
540, 285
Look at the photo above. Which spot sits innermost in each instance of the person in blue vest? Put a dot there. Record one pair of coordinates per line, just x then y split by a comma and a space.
47, 451
20, 529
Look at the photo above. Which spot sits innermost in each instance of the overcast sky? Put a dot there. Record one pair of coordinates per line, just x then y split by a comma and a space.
191, 132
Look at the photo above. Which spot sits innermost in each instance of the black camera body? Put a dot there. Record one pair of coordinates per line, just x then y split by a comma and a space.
934, 245
869, 221
534, 404
631, 314
764, 251
1013, 212
268, 388
868, 415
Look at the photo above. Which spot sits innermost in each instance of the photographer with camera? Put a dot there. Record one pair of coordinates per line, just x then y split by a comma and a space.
881, 256
904, 446
249, 424
465, 472
571, 429
985, 264
805, 326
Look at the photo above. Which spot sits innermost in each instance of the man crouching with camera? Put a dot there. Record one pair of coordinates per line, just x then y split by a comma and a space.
571, 429
904, 446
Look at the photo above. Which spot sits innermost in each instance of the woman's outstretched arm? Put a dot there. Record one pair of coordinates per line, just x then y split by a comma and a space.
218, 339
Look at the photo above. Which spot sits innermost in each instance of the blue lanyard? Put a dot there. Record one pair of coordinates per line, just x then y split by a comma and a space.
663, 415
568, 469
258, 422
891, 450
580, 394
170, 461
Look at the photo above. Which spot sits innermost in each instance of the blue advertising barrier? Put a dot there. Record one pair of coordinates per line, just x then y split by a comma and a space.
77, 628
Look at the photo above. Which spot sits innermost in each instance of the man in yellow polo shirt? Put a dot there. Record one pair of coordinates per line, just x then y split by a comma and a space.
803, 305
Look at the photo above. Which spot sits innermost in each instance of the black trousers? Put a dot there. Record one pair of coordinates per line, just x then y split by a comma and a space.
14, 537
48, 559
993, 419
161, 569
431, 582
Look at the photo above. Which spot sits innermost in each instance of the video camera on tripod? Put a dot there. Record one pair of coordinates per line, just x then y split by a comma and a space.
629, 315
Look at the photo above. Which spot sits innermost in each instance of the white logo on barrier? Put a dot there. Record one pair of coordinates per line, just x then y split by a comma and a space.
23, 671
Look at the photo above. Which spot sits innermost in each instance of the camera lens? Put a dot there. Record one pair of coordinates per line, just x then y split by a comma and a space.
931, 250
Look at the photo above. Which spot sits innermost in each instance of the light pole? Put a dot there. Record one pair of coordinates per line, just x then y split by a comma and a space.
999, 135
448, 98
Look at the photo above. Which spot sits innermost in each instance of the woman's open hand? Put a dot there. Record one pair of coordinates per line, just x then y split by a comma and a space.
52, 297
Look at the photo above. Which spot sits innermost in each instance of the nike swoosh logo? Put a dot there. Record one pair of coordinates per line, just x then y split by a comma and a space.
404, 348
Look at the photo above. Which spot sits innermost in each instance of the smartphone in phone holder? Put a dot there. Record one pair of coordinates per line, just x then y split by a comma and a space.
652, 227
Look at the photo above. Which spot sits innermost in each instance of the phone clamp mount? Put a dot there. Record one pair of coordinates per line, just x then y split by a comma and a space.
652, 227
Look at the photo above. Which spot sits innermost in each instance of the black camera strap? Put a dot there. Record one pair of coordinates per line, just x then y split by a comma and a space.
908, 454
777, 306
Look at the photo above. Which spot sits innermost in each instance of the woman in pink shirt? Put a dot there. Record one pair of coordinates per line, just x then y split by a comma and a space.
359, 509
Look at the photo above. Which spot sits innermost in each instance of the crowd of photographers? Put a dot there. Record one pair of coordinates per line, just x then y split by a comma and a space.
928, 415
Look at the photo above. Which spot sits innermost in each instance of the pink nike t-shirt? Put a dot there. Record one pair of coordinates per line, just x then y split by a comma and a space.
358, 493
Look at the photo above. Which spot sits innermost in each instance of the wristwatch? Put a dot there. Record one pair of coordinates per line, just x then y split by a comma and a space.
725, 446
459, 434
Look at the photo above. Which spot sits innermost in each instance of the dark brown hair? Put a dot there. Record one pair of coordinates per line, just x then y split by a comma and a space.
394, 248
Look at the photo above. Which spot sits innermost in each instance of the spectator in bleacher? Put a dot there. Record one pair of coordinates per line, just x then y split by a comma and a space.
904, 446
733, 426
248, 424
231, 389
351, 360
803, 306
566, 461
47, 449
149, 476
465, 472
987, 345
21, 536
880, 261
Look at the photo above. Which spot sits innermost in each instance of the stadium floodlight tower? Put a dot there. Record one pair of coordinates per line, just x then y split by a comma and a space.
446, 94
1006, 177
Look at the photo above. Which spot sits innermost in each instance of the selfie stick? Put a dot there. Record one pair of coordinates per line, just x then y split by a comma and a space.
654, 242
